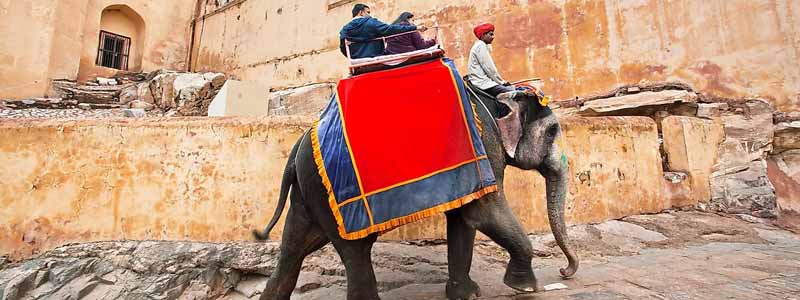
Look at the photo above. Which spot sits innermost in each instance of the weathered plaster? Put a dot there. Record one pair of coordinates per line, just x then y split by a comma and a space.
729, 48
215, 179
47, 39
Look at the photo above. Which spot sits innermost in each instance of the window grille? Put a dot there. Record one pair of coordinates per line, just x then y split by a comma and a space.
113, 50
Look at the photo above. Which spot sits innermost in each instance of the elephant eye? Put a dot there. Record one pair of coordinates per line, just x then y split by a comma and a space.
552, 131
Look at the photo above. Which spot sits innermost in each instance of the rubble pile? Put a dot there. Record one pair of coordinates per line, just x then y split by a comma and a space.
174, 93
161, 92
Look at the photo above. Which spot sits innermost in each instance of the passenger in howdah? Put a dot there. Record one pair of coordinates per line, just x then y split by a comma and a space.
482, 72
364, 33
408, 42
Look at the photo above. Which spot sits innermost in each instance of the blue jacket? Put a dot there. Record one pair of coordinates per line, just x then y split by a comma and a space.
362, 30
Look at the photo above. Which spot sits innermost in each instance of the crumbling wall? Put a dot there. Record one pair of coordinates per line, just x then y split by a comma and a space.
48, 39
738, 155
189, 179
729, 48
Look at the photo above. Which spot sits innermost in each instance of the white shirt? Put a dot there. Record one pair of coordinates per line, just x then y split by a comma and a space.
481, 69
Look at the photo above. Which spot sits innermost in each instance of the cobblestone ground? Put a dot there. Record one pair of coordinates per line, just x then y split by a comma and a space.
72, 113
703, 256
712, 271
683, 255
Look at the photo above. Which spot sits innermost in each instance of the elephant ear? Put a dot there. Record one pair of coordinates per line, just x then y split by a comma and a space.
510, 125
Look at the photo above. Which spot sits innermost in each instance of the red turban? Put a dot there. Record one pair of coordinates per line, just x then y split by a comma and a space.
480, 30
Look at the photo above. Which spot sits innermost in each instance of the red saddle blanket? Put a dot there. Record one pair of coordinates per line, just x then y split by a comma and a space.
400, 145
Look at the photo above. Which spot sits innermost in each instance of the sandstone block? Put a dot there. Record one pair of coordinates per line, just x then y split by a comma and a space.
787, 136
307, 100
744, 189
128, 94
189, 81
133, 113
630, 230
216, 79
691, 145
163, 90
634, 101
237, 98
139, 104
784, 173
711, 110
143, 93
748, 135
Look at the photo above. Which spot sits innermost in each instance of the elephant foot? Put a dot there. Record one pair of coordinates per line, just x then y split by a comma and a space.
458, 290
523, 281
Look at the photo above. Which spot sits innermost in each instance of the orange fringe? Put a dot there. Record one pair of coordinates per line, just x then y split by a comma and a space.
317, 150
393, 223
396, 222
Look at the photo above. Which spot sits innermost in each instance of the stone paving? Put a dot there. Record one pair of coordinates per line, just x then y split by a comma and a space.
676, 255
699, 269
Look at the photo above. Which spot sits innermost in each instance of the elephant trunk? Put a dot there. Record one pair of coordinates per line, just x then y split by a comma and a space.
555, 174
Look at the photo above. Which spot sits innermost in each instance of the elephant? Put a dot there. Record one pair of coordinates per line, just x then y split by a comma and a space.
524, 138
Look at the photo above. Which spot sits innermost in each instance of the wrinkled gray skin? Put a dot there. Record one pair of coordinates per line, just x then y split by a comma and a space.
311, 225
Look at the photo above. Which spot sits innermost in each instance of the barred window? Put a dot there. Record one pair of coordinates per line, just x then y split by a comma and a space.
113, 50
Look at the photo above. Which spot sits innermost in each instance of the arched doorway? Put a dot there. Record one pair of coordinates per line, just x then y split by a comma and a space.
114, 41
121, 39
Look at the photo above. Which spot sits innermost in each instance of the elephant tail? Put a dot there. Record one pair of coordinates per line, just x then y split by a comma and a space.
289, 178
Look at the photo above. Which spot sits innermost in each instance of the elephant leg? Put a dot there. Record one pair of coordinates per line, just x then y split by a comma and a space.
357, 258
460, 243
494, 218
300, 238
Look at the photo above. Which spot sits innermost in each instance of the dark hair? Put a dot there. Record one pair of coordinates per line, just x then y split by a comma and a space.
404, 17
358, 8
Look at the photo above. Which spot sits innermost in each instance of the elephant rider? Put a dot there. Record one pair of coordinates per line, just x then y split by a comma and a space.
364, 32
482, 72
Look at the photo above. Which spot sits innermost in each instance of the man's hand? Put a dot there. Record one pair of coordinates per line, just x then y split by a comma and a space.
422, 28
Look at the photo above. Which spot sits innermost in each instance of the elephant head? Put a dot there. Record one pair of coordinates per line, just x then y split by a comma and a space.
528, 133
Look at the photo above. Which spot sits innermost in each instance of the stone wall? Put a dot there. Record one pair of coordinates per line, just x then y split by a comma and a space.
783, 165
165, 179
577, 47
215, 179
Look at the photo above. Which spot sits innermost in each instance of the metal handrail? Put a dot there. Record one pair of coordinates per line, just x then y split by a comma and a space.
388, 59
347, 42
352, 67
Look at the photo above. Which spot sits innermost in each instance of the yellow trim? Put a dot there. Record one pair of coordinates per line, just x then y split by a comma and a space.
317, 150
466, 123
388, 225
461, 104
369, 212
399, 221
350, 151
348, 201
396, 222
351, 200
